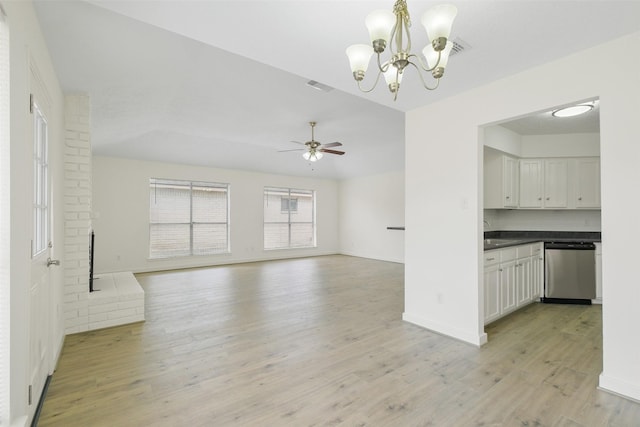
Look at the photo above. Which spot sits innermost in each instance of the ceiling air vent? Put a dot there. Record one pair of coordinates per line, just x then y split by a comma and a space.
459, 46
319, 86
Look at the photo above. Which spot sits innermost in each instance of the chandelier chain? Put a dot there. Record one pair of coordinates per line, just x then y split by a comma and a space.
400, 8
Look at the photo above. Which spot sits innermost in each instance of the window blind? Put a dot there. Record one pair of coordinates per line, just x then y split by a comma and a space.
289, 218
187, 218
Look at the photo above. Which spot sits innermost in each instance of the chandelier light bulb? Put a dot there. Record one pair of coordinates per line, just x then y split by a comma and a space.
380, 23
359, 57
438, 21
390, 75
432, 56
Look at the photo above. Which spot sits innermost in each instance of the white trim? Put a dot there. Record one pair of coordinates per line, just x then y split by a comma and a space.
5, 221
447, 330
619, 387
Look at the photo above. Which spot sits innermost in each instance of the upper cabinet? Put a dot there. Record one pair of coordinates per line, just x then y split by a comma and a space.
531, 183
543, 183
550, 183
501, 180
556, 174
510, 182
587, 183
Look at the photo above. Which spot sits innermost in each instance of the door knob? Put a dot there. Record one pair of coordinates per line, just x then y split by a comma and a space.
51, 262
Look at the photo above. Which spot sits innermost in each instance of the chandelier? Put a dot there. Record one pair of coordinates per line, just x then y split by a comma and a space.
393, 28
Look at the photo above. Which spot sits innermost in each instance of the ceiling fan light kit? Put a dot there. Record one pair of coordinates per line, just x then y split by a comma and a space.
392, 28
314, 149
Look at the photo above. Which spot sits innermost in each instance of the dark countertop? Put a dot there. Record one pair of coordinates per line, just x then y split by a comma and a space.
504, 239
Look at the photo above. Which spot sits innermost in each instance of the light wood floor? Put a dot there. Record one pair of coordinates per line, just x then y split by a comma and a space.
319, 342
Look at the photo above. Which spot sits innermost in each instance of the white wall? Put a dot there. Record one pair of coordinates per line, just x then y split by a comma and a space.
565, 145
543, 220
446, 177
28, 47
503, 139
368, 205
121, 214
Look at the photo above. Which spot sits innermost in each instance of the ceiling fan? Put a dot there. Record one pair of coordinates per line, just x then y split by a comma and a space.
314, 150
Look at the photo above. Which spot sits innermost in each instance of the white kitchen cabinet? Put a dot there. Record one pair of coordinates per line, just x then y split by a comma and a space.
543, 183
507, 287
523, 281
531, 183
491, 293
548, 183
537, 271
501, 180
587, 183
512, 279
510, 182
491, 286
556, 175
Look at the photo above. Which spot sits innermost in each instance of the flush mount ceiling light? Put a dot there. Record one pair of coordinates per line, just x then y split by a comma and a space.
385, 26
574, 110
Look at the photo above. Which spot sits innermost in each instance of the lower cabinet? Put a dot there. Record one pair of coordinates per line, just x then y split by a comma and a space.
492, 302
513, 278
523, 280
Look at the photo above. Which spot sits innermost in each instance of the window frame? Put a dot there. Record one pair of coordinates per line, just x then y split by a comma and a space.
189, 185
40, 181
291, 194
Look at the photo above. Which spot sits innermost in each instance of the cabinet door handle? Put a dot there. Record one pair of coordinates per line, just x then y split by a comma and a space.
507, 197
499, 269
539, 198
490, 259
579, 198
548, 198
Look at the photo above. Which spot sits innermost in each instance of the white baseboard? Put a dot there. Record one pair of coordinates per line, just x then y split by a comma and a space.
461, 335
619, 387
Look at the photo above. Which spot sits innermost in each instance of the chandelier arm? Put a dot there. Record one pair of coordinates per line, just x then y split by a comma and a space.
372, 87
422, 79
392, 36
383, 67
426, 67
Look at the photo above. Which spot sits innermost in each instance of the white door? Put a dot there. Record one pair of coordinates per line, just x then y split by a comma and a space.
39, 291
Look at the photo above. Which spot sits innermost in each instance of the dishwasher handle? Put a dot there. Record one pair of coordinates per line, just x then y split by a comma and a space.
576, 246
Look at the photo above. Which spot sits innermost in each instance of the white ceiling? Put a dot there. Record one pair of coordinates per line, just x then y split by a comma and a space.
223, 83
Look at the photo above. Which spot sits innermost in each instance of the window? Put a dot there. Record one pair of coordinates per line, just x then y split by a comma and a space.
40, 180
289, 218
187, 218
289, 205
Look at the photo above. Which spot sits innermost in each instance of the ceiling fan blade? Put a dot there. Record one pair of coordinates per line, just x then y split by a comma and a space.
298, 142
293, 149
332, 144
324, 150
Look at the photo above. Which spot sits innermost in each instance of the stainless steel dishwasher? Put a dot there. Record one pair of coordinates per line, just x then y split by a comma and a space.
570, 272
